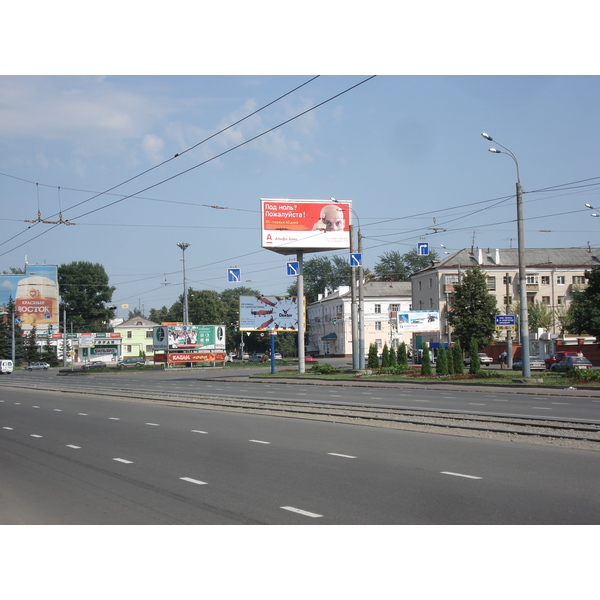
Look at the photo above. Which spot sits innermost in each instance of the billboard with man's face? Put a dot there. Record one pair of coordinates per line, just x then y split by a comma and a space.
312, 225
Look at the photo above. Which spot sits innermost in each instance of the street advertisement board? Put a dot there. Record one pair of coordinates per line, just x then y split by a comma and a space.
191, 337
196, 357
419, 321
312, 225
35, 295
269, 313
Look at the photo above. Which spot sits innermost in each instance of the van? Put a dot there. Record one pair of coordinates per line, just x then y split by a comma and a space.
6, 366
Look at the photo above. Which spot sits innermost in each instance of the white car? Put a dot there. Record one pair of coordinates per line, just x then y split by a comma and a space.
277, 356
484, 359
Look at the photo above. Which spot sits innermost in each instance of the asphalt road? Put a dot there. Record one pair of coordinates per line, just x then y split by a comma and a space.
76, 459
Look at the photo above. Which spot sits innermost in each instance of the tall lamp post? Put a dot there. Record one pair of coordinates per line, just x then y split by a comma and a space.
523, 316
183, 246
358, 324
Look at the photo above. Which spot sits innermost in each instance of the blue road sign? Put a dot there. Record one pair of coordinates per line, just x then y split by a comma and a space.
293, 268
423, 249
505, 322
234, 275
355, 259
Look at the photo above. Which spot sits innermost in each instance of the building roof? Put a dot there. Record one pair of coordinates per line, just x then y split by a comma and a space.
136, 321
559, 258
374, 289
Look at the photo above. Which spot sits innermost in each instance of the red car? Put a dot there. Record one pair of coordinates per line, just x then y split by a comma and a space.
556, 357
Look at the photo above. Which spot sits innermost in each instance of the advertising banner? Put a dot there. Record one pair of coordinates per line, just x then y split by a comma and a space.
160, 338
313, 225
183, 357
35, 295
207, 337
266, 313
419, 321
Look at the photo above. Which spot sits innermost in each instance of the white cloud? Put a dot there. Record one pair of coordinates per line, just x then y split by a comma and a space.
152, 146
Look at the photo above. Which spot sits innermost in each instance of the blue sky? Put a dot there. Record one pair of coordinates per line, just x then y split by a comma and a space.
406, 150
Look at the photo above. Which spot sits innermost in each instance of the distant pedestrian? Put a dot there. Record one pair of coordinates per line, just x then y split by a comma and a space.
502, 358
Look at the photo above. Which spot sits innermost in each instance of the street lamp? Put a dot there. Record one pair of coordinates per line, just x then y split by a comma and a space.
358, 323
523, 316
592, 207
183, 246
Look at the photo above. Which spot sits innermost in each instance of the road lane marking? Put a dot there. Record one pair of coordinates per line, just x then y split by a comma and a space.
83, 414
57, 410
122, 460
9, 428
153, 424
75, 447
459, 475
198, 431
35, 407
259, 442
341, 455
422, 400
301, 512
561, 403
114, 419
541, 407
196, 481
476, 404
35, 435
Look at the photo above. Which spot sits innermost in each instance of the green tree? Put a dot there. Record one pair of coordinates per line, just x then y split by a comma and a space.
441, 366
32, 352
401, 356
385, 357
458, 366
425, 361
473, 309
392, 359
84, 292
393, 266
584, 313
161, 315
373, 358
474, 365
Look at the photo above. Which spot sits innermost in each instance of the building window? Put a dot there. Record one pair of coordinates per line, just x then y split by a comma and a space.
129, 334
430, 302
545, 299
560, 280
129, 348
578, 279
149, 334
378, 308
507, 300
420, 285
560, 300
545, 279
379, 344
491, 284
394, 307
450, 279
509, 280
377, 325
532, 279
149, 348
430, 283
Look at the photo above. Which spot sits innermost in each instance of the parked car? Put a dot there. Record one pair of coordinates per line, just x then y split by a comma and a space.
556, 357
310, 360
38, 365
254, 358
245, 356
95, 364
132, 361
484, 359
277, 356
536, 363
571, 363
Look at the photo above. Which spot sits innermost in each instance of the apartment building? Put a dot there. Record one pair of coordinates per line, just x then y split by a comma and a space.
329, 319
552, 275
137, 337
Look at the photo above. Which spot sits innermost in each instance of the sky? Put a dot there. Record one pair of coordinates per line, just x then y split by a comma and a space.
135, 163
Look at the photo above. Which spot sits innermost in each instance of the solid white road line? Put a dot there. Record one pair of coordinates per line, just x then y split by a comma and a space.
342, 455
122, 460
196, 481
459, 475
301, 512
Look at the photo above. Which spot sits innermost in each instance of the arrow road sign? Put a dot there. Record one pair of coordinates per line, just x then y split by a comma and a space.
234, 275
293, 268
355, 259
423, 249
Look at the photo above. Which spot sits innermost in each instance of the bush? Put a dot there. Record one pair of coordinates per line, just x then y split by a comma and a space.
402, 358
583, 375
425, 361
441, 367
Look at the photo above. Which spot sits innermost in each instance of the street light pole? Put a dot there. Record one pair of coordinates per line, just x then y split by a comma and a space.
183, 246
524, 318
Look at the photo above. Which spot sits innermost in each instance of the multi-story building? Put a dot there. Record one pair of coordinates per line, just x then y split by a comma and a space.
552, 275
329, 319
136, 337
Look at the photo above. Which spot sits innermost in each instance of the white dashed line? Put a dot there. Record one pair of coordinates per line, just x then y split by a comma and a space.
35, 435
198, 431
541, 407
422, 400
58, 410
153, 424
301, 512
83, 414
476, 404
459, 475
259, 442
113, 419
8, 428
342, 455
122, 460
75, 447
561, 403
35, 407
196, 481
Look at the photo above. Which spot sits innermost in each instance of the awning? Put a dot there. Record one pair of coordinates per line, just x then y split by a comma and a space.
329, 337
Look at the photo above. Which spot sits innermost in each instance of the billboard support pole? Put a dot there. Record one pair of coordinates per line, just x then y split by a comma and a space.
301, 364
361, 308
353, 307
